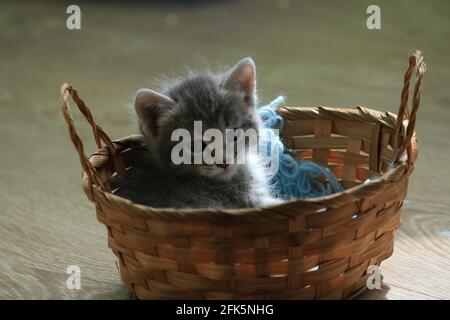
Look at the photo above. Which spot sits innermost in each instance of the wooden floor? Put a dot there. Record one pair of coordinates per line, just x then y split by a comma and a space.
316, 54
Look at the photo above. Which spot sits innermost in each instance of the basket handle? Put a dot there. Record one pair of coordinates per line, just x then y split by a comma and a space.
99, 136
417, 65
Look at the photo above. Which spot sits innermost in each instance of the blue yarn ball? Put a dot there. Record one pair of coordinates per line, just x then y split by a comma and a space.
294, 179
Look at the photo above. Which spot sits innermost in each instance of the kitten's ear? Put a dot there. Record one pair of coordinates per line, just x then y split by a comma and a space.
242, 77
150, 106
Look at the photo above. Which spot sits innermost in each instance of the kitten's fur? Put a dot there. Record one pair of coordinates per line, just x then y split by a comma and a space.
220, 101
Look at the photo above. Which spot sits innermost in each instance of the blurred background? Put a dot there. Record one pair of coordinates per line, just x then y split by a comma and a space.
314, 52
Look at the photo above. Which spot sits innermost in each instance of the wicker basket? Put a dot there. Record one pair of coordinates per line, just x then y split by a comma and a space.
303, 249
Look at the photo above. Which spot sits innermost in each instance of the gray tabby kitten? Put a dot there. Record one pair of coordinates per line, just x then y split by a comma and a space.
220, 101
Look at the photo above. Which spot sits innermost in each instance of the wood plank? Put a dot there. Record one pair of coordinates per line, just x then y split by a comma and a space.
391, 292
421, 257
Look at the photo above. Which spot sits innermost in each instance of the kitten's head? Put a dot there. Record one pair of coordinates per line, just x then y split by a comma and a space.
220, 101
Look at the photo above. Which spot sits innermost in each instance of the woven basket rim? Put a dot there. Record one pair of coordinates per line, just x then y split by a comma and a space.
310, 206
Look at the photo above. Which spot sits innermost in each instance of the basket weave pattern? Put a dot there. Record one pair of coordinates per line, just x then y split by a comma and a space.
303, 249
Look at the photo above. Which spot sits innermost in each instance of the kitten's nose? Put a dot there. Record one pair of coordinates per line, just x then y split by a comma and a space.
223, 165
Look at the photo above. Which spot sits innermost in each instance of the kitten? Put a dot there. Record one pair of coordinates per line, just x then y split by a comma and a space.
220, 101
